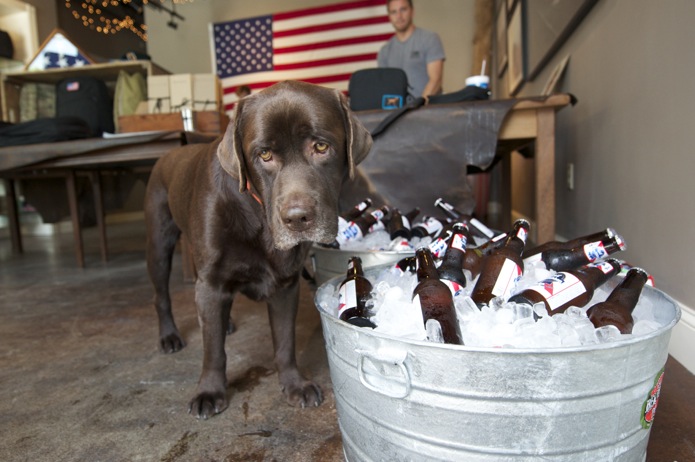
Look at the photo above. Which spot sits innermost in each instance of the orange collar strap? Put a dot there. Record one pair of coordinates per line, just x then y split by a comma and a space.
248, 187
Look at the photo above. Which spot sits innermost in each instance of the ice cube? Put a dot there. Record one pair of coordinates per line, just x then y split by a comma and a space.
606, 334
434, 331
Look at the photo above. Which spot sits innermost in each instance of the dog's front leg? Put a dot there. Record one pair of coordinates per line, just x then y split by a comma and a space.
282, 311
214, 305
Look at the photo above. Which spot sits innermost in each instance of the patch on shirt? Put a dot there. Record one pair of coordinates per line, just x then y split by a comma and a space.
415, 54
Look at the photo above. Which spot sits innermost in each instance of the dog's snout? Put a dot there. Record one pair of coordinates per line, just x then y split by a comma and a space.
299, 214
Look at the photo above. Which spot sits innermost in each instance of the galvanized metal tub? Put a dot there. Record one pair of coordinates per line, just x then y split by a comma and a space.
329, 263
404, 400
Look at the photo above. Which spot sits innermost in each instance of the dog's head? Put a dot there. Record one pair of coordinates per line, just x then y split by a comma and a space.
292, 145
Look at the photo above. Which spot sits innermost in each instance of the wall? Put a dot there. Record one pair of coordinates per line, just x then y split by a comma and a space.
631, 139
187, 49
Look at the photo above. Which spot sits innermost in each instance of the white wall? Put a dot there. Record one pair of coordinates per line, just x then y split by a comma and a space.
187, 49
631, 138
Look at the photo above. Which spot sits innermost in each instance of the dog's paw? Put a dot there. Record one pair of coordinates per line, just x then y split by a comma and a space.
171, 343
303, 394
206, 405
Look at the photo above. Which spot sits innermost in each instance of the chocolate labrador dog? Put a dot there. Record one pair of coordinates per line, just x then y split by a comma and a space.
249, 205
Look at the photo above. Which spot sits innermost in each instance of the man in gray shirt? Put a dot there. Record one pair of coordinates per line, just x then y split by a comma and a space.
417, 51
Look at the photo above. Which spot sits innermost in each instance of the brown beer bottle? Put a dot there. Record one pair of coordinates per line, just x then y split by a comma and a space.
359, 227
572, 243
473, 260
502, 268
434, 297
353, 294
354, 213
451, 269
570, 288
476, 225
618, 307
567, 259
429, 226
397, 226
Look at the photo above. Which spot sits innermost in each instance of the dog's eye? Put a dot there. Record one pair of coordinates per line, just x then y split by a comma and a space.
265, 155
321, 147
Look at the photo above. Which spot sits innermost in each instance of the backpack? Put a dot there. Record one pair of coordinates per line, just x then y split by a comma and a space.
87, 98
378, 88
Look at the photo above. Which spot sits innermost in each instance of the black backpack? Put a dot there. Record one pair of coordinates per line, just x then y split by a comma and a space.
87, 98
379, 88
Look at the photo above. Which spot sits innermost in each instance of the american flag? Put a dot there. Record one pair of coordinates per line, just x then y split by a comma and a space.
322, 45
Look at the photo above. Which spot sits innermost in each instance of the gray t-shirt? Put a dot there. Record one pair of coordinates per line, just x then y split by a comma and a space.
413, 55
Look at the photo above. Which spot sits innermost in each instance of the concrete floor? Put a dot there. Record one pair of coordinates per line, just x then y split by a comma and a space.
81, 378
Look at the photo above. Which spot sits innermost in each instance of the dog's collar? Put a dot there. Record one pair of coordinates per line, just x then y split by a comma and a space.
248, 188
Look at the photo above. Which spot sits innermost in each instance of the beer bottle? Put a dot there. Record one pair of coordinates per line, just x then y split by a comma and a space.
359, 227
397, 226
437, 248
473, 260
618, 307
451, 269
502, 268
429, 226
567, 259
570, 288
410, 216
353, 294
459, 216
434, 297
355, 212
572, 243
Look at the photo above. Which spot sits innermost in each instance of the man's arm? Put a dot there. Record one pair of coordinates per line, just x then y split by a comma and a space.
435, 71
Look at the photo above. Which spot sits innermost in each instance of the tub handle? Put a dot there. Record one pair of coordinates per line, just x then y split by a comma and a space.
389, 357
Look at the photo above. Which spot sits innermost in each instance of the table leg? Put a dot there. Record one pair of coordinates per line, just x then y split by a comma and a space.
95, 179
75, 216
13, 216
545, 175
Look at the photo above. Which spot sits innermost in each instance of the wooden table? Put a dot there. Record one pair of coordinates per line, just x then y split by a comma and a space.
67, 159
429, 148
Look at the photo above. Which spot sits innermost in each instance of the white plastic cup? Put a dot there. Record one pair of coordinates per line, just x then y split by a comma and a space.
482, 81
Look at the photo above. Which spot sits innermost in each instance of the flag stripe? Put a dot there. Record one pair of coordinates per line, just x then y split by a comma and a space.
380, 39
324, 62
326, 18
315, 54
330, 9
328, 27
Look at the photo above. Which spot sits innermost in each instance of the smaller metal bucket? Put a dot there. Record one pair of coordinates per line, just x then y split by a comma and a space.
404, 400
329, 263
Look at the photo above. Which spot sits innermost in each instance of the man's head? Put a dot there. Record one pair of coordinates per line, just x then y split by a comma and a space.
400, 14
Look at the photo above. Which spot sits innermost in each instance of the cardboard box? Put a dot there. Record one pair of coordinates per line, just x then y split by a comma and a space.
206, 92
181, 91
158, 100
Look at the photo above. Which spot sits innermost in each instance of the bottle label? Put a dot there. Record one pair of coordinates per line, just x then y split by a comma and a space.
559, 289
351, 233
454, 287
432, 226
458, 241
603, 266
342, 223
400, 244
506, 280
595, 251
437, 247
347, 296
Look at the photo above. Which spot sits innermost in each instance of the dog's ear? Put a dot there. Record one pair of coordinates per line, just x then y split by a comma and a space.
230, 151
358, 139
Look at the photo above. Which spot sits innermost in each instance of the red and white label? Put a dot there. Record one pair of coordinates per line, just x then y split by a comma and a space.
506, 280
347, 296
559, 289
